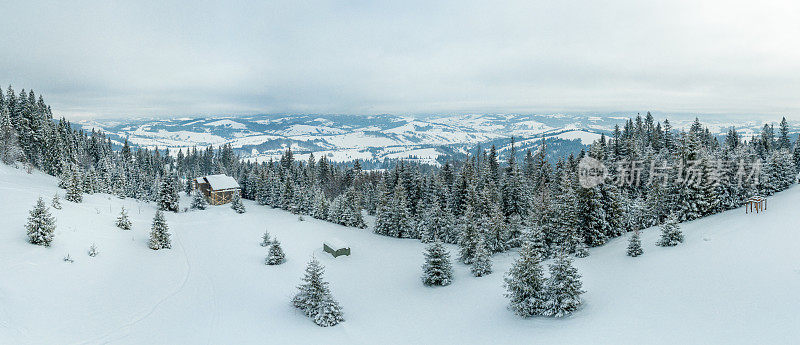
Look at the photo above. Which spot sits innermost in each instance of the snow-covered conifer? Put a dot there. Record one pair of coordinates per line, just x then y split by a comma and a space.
524, 283
93, 251
41, 225
635, 245
159, 233
275, 255
122, 221
73, 186
671, 233
168, 194
198, 201
483, 260
563, 288
237, 204
581, 251
266, 240
470, 233
315, 299
56, 203
437, 270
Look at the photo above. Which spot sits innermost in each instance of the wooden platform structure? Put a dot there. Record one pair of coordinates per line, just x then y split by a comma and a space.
218, 189
756, 204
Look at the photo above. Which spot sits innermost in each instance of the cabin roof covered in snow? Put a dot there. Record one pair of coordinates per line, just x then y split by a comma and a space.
220, 182
335, 243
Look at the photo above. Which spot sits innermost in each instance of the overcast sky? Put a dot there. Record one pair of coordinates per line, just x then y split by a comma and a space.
164, 58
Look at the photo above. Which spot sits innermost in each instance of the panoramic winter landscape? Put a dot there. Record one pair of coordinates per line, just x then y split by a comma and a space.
526, 172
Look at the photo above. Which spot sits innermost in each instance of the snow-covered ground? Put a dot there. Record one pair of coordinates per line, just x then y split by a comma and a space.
734, 280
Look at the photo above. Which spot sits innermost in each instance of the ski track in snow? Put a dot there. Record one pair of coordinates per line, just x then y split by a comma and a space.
125, 328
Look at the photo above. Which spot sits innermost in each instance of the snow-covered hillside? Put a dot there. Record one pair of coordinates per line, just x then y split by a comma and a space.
368, 138
734, 280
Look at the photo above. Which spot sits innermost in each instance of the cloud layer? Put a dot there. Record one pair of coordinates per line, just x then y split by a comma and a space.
166, 58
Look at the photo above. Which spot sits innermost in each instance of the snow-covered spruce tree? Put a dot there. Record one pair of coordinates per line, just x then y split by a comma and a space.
581, 251
671, 233
483, 260
73, 185
635, 245
93, 251
56, 203
535, 238
10, 151
122, 221
524, 283
394, 218
470, 234
266, 240
41, 225
437, 270
159, 233
168, 194
314, 298
198, 201
237, 204
563, 288
275, 255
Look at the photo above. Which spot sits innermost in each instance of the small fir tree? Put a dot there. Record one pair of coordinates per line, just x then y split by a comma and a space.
56, 203
41, 225
635, 245
93, 250
122, 221
314, 298
275, 255
159, 233
483, 259
199, 201
236, 203
437, 270
563, 288
265, 239
524, 284
671, 233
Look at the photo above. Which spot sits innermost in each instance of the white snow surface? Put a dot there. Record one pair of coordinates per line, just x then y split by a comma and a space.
733, 281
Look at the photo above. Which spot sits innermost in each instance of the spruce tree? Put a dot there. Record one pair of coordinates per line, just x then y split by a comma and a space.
265, 239
159, 233
524, 284
198, 201
470, 233
314, 298
437, 270
483, 260
635, 245
56, 203
41, 225
168, 194
122, 221
237, 204
73, 186
275, 255
563, 288
671, 233
10, 151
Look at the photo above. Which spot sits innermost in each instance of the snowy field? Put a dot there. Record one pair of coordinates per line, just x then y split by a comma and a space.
734, 280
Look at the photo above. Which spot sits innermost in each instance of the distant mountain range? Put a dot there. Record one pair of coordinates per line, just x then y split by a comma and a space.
378, 138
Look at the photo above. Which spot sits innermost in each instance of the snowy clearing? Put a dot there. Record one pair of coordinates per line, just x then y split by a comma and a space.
733, 280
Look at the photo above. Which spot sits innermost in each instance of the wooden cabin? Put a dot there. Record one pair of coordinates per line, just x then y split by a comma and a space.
218, 189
